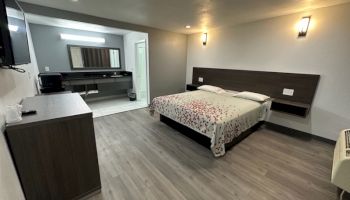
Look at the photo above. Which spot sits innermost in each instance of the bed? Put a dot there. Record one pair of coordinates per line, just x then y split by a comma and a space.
221, 117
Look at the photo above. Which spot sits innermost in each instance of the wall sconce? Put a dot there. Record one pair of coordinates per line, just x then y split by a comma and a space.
304, 26
205, 38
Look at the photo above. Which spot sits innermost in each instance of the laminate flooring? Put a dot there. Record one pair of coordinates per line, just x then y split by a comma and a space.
142, 158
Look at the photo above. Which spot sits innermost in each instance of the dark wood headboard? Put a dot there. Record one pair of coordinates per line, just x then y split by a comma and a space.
268, 83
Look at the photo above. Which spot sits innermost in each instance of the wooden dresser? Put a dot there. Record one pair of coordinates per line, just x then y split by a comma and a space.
54, 150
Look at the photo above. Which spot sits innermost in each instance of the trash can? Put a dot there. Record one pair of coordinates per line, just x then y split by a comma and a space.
132, 96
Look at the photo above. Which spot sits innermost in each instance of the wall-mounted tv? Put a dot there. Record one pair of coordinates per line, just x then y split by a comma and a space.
14, 49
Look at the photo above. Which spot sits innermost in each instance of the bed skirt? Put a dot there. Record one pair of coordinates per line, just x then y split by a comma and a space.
204, 140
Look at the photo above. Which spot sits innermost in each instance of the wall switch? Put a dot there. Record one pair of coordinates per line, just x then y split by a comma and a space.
288, 92
47, 68
200, 79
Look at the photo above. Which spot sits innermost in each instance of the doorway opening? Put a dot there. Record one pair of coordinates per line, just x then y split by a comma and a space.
140, 71
106, 84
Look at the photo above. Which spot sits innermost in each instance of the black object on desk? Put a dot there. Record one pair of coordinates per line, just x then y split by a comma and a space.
28, 112
54, 151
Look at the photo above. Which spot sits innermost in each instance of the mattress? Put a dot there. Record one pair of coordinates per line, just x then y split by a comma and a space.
220, 117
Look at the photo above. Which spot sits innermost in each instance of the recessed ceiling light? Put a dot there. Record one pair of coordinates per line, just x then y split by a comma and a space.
187, 26
74, 0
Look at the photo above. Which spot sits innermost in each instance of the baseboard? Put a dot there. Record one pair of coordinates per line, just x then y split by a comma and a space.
89, 194
296, 133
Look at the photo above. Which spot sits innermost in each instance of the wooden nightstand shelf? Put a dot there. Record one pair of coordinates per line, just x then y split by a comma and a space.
290, 107
191, 87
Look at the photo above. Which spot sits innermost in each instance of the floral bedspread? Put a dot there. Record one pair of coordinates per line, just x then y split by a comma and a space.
217, 116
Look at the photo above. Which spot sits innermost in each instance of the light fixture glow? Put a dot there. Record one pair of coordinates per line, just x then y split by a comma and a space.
82, 38
187, 26
205, 38
304, 26
13, 28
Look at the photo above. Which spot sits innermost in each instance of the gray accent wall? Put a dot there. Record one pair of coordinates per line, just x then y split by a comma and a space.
167, 50
51, 51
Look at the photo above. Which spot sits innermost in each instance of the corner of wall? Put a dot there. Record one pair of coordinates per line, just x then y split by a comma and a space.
14, 87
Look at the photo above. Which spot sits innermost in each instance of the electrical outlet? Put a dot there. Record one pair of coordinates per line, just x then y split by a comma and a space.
288, 92
47, 68
200, 79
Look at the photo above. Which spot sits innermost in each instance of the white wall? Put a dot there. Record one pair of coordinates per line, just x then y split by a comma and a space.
13, 87
129, 47
272, 45
130, 40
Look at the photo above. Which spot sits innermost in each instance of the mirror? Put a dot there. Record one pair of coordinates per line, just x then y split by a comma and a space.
83, 57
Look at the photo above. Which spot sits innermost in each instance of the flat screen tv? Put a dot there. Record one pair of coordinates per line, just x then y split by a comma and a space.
14, 49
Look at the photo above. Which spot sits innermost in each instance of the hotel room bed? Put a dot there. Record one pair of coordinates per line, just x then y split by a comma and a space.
220, 117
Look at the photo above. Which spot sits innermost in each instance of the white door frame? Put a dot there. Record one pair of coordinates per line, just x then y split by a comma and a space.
147, 67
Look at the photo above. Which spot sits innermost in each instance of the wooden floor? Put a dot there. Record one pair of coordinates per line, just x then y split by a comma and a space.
142, 158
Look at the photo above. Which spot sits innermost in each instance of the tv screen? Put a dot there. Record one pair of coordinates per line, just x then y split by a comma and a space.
14, 35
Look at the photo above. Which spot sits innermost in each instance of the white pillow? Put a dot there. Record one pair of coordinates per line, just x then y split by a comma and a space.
210, 88
252, 96
231, 93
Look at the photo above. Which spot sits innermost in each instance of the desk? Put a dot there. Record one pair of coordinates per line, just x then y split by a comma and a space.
54, 151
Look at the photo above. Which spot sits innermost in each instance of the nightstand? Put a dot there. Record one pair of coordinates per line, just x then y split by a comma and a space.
290, 107
191, 87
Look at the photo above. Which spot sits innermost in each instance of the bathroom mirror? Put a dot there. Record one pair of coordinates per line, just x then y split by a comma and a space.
84, 57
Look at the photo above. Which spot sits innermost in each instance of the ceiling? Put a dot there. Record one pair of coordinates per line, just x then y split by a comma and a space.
50, 21
173, 15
